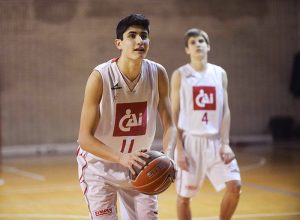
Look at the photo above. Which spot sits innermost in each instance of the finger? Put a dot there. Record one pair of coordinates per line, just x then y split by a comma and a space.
183, 165
132, 170
138, 165
231, 158
224, 158
186, 168
187, 163
228, 158
226, 161
140, 161
143, 154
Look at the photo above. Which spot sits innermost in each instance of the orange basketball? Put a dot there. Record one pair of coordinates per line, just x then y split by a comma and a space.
156, 176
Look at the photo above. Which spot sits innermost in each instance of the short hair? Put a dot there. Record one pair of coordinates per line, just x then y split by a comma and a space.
194, 32
131, 20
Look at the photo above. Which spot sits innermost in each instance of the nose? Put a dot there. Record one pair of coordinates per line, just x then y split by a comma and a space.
139, 40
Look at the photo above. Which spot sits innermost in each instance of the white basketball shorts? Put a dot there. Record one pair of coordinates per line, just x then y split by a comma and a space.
101, 182
204, 160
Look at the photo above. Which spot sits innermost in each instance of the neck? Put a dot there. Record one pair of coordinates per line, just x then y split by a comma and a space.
199, 64
130, 68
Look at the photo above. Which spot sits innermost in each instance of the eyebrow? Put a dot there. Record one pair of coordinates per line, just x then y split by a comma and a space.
196, 38
135, 32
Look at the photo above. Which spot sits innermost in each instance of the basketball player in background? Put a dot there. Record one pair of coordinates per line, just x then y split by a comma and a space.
118, 121
201, 112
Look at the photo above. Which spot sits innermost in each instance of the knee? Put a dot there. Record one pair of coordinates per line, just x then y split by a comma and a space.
183, 201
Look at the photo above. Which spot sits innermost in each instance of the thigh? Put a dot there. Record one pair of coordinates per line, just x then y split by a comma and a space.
189, 182
220, 173
135, 205
99, 193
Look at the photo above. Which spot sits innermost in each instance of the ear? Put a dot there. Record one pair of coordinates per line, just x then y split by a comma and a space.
208, 48
187, 51
118, 43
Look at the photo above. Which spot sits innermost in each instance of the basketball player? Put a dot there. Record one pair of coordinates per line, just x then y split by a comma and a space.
118, 121
201, 113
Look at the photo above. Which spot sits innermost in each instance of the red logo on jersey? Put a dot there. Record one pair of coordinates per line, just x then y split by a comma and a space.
204, 98
131, 119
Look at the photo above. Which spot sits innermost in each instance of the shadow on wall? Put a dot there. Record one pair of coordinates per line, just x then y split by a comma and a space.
295, 79
285, 127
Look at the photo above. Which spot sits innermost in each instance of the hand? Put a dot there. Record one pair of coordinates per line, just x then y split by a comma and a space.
226, 153
182, 160
133, 159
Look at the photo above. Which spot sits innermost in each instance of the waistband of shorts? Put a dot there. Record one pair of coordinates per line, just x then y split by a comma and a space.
205, 136
82, 152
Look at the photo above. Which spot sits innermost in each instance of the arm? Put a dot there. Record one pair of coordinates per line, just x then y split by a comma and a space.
90, 116
226, 153
175, 100
164, 109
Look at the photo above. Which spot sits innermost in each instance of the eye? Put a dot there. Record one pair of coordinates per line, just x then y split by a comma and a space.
192, 42
132, 35
144, 36
201, 41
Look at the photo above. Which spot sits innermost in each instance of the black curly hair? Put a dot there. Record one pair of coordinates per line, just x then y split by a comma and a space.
133, 19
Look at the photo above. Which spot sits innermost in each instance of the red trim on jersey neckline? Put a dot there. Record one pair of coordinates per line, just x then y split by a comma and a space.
114, 60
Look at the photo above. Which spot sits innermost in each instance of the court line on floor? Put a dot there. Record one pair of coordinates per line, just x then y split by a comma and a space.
62, 216
23, 173
48, 189
273, 190
243, 216
256, 165
262, 161
42, 216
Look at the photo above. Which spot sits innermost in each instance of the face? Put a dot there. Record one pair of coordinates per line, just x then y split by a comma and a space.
197, 46
135, 43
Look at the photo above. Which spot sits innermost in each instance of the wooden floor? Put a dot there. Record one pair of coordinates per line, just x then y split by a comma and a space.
46, 187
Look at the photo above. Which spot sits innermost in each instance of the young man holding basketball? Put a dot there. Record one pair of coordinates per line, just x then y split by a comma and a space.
118, 121
201, 112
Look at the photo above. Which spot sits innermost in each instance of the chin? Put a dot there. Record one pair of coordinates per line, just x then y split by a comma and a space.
137, 58
199, 55
142, 56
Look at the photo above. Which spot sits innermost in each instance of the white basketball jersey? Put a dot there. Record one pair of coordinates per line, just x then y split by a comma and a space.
201, 100
128, 117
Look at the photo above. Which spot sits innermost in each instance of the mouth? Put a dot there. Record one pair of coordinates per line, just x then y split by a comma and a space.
140, 49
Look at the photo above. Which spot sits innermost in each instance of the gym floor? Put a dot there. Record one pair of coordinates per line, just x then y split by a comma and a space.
46, 187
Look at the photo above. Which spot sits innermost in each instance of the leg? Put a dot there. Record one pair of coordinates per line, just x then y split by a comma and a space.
189, 182
230, 199
101, 197
226, 176
183, 208
135, 205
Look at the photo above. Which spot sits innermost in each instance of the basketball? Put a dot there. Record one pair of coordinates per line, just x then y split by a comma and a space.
156, 176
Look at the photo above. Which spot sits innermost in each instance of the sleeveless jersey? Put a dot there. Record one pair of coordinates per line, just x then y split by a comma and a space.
128, 117
201, 100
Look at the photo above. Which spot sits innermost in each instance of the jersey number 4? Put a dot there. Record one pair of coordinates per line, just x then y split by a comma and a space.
205, 118
124, 146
